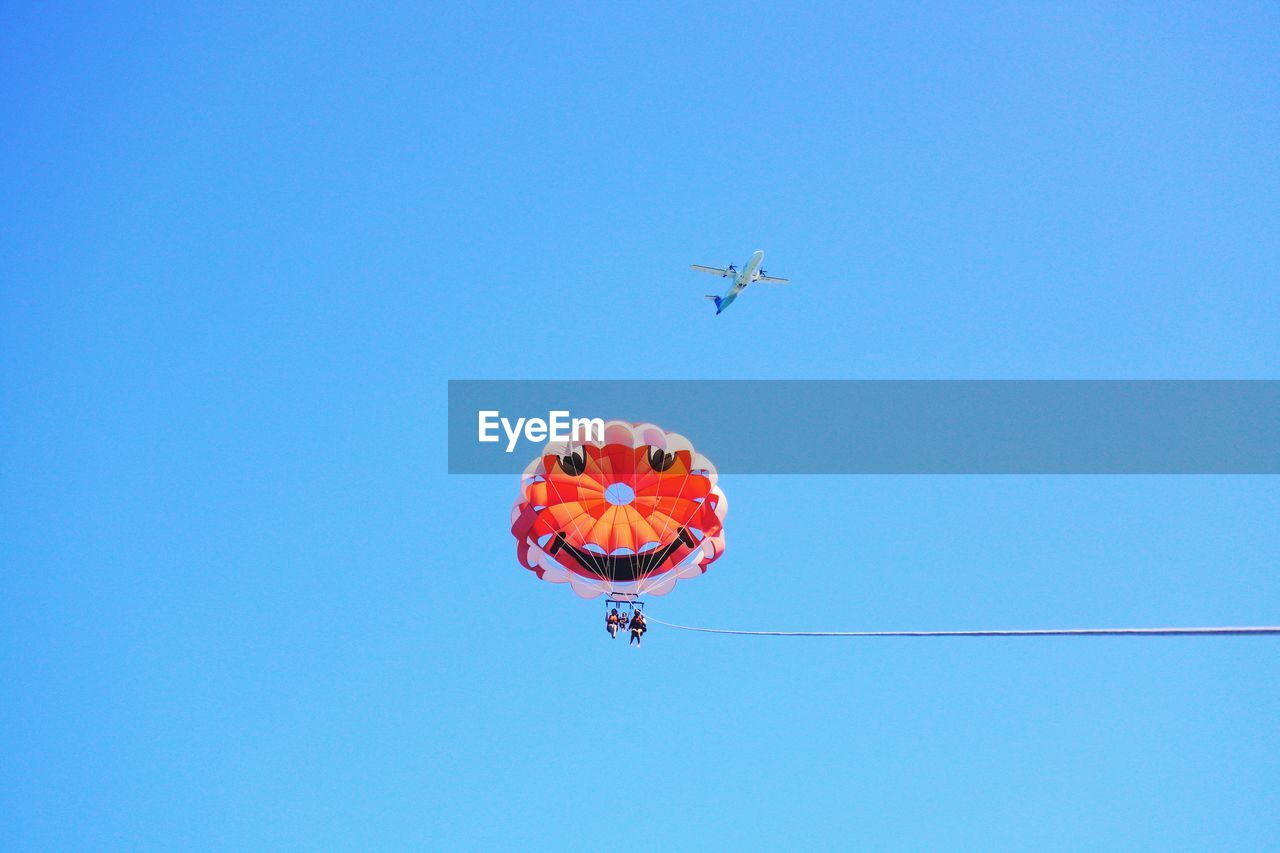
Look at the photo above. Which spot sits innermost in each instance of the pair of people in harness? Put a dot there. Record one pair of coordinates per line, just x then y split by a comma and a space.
615, 621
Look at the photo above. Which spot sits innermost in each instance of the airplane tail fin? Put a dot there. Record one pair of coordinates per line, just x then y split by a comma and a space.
715, 299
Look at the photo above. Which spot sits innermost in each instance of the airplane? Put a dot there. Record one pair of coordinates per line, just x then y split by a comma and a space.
750, 273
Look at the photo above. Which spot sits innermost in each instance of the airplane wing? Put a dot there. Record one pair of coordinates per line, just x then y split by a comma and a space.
771, 280
712, 270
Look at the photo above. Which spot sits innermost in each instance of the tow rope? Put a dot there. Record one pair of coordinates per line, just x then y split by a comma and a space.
1035, 632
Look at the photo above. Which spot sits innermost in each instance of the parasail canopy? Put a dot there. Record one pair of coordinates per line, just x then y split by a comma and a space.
627, 515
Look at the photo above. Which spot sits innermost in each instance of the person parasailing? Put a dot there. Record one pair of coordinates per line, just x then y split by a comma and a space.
638, 627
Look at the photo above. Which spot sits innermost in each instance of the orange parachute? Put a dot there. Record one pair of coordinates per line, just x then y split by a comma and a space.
625, 516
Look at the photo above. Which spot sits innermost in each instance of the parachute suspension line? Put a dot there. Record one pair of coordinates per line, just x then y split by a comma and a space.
641, 588
1039, 632
603, 468
559, 452
599, 563
603, 472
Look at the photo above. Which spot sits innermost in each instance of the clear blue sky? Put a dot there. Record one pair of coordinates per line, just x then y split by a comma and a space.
243, 606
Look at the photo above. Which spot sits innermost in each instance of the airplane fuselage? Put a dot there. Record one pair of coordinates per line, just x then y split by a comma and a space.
745, 276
